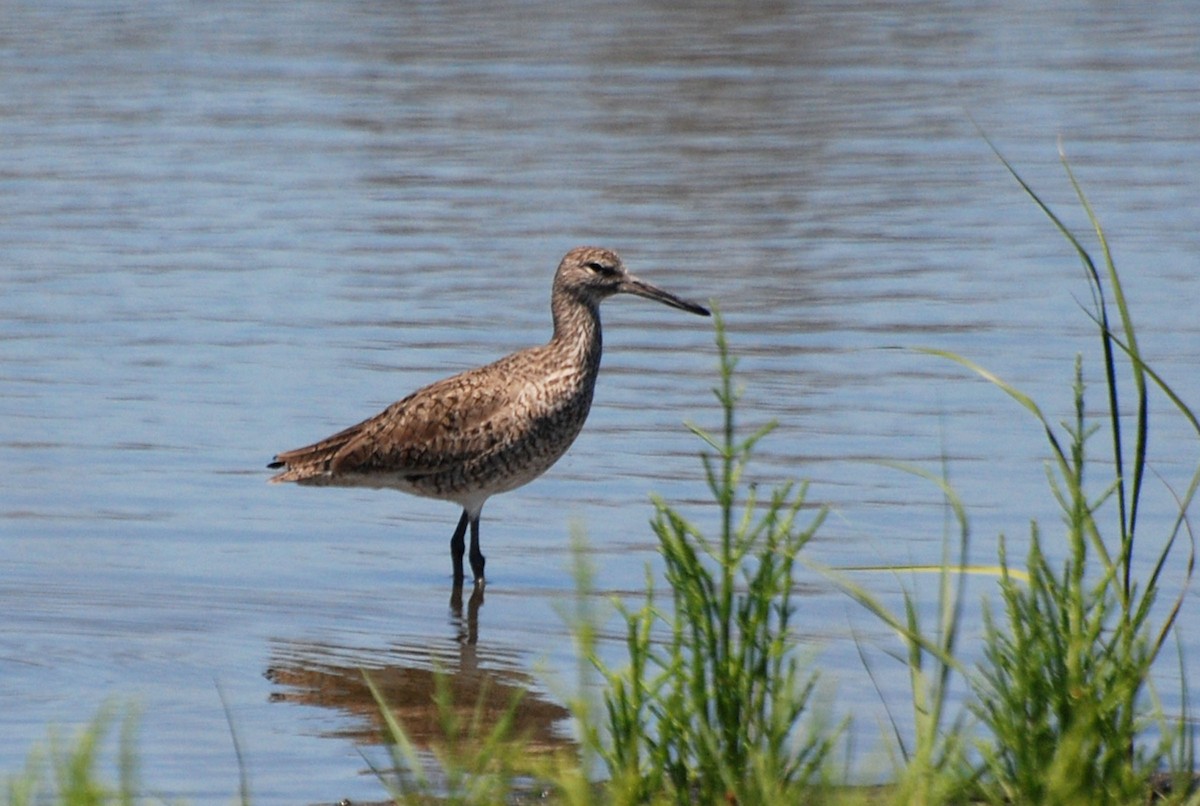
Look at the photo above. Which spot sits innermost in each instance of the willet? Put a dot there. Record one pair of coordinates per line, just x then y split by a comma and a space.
491, 429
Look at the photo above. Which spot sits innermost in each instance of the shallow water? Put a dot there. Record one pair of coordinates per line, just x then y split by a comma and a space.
230, 230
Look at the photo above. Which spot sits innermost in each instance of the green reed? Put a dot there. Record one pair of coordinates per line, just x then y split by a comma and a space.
932, 765
715, 705
472, 762
69, 772
1064, 690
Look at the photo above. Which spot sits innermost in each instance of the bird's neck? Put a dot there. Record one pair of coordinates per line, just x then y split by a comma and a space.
577, 331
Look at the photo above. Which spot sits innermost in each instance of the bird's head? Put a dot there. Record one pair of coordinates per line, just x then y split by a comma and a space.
592, 274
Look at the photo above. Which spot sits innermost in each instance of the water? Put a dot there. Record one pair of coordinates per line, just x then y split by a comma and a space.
228, 230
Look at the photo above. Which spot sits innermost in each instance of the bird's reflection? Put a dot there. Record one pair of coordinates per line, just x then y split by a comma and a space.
406, 672
468, 630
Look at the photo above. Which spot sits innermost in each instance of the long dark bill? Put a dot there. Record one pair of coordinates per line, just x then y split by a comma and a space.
632, 285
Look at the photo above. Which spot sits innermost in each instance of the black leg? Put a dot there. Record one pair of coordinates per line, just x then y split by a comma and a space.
477, 560
456, 548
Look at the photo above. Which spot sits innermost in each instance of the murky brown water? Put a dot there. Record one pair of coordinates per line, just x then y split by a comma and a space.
228, 229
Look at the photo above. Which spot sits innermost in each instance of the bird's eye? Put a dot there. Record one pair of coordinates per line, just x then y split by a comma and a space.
601, 268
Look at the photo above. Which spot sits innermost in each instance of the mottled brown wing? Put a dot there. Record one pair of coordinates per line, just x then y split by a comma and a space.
430, 431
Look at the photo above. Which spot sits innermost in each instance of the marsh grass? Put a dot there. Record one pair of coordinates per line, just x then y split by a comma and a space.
1063, 702
1064, 691
715, 705
473, 761
72, 771
930, 766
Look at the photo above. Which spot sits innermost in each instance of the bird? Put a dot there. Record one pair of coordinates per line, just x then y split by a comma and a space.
490, 429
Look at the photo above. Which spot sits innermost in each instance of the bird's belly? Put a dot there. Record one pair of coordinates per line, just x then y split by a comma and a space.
505, 467
508, 463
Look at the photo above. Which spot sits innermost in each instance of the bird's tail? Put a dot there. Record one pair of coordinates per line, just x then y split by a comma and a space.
312, 462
